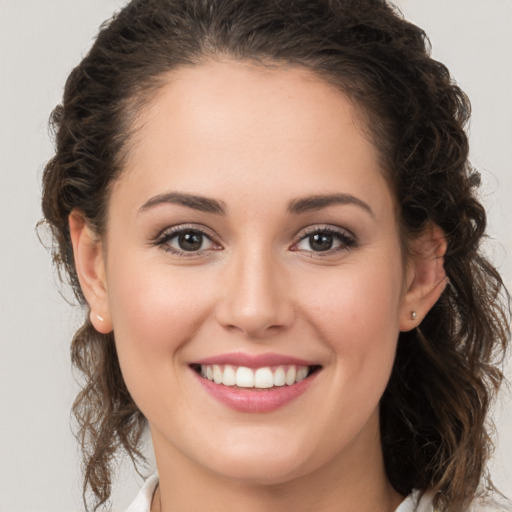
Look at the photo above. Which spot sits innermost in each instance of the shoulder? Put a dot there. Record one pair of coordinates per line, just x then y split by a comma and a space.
142, 502
422, 502
415, 502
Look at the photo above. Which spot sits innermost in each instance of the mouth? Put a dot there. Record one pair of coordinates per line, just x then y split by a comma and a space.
261, 379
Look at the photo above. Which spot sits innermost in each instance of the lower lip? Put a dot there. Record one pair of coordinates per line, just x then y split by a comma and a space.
256, 400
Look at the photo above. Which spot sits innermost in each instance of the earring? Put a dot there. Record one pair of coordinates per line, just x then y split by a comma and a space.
414, 315
100, 318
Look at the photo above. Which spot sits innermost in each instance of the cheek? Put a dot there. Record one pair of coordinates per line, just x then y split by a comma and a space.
154, 304
356, 296
356, 312
154, 314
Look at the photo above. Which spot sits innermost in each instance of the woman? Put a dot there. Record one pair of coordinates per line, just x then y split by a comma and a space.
268, 212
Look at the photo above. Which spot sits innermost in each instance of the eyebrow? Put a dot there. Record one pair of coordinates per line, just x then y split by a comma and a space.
318, 202
203, 204
296, 206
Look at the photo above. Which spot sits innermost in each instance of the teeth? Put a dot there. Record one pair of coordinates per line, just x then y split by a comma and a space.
291, 373
261, 378
217, 374
279, 377
229, 378
302, 373
244, 377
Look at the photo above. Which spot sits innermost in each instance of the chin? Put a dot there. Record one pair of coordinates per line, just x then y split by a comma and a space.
259, 472
257, 464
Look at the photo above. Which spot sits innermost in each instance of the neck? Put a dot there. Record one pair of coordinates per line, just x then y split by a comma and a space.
352, 481
290, 497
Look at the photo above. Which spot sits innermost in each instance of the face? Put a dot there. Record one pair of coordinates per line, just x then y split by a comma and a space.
253, 273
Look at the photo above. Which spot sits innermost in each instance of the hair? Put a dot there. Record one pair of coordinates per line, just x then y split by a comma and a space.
447, 371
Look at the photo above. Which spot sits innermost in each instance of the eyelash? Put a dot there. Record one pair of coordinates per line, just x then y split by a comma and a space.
163, 239
346, 240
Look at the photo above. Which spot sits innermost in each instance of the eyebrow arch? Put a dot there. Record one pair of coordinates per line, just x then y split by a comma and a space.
306, 204
203, 204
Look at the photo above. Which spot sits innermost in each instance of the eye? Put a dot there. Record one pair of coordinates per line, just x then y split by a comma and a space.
327, 240
190, 241
318, 242
186, 240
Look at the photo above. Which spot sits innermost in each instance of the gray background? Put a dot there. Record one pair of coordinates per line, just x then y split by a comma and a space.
40, 41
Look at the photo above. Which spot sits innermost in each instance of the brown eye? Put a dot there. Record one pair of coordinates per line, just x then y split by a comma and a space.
190, 241
325, 240
186, 240
321, 241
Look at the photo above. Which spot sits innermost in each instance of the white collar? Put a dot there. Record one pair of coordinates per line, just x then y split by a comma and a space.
415, 502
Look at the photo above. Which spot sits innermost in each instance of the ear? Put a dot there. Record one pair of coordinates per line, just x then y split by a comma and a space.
425, 277
90, 268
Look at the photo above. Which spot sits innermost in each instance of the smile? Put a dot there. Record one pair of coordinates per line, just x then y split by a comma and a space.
258, 378
255, 384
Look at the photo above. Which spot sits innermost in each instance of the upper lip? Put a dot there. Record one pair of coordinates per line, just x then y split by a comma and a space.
254, 361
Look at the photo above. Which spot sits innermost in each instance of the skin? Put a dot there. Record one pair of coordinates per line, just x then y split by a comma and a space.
256, 139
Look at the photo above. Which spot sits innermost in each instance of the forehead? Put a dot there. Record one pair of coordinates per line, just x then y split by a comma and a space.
223, 123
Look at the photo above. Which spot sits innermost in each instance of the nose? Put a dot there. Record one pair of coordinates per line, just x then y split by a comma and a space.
255, 298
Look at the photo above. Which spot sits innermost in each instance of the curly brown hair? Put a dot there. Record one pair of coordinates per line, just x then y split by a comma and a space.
447, 371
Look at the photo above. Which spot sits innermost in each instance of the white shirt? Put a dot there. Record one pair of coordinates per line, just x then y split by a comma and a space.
415, 502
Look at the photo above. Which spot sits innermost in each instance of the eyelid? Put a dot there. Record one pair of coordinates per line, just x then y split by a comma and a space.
323, 228
314, 228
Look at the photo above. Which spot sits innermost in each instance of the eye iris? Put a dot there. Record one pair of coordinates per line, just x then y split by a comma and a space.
321, 241
190, 241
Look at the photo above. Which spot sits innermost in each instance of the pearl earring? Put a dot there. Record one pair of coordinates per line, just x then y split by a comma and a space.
414, 315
